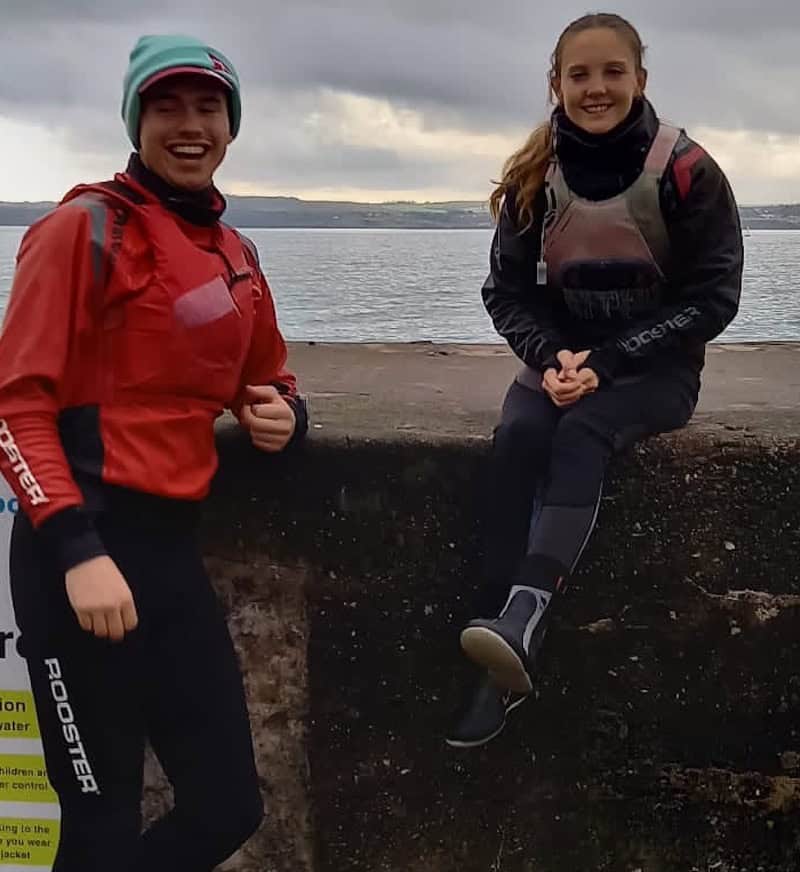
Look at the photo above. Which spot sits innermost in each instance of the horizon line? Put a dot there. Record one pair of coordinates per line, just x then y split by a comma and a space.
397, 202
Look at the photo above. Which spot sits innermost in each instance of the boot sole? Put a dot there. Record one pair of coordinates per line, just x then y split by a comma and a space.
490, 650
476, 743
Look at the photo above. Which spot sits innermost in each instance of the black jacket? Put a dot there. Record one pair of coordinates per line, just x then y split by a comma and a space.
702, 222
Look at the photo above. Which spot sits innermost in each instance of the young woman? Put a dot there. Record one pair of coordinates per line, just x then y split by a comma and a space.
617, 257
136, 316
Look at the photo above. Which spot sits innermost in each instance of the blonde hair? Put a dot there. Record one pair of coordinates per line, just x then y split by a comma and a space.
524, 171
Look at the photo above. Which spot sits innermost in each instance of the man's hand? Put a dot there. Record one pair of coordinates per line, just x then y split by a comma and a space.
101, 599
268, 418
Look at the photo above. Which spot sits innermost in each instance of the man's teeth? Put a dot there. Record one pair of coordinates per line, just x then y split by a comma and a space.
189, 150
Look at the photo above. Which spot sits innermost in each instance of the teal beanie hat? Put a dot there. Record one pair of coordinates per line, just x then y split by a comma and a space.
156, 57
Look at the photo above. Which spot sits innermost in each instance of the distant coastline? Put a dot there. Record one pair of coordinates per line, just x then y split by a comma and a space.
292, 212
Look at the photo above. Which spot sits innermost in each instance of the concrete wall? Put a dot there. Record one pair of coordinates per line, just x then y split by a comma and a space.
666, 733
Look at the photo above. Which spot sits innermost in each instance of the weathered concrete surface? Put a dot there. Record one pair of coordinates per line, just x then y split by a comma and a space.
666, 734
441, 390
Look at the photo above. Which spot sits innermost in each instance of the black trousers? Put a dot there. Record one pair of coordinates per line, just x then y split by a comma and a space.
174, 681
547, 468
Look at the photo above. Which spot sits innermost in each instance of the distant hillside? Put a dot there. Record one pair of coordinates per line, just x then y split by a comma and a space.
293, 212
22, 214
771, 217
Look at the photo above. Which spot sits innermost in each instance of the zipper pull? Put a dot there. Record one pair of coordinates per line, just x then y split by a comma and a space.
541, 273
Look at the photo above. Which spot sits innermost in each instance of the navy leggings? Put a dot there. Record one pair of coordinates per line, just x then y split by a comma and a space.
174, 681
547, 468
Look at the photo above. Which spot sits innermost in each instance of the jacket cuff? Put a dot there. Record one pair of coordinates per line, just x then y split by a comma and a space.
547, 357
72, 536
604, 362
300, 409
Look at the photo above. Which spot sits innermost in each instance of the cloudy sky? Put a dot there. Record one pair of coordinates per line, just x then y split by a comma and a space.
390, 99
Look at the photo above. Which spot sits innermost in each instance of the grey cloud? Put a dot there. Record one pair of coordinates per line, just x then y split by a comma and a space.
488, 61
36, 12
280, 167
279, 153
468, 64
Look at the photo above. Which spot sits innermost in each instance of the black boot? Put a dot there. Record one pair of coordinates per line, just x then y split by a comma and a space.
507, 645
484, 714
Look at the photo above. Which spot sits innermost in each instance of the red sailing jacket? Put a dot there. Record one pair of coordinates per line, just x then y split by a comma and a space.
128, 331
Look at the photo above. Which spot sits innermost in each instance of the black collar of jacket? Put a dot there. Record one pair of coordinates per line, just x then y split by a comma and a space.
203, 208
599, 166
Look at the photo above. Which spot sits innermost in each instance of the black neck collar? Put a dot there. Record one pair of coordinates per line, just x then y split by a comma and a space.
203, 208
